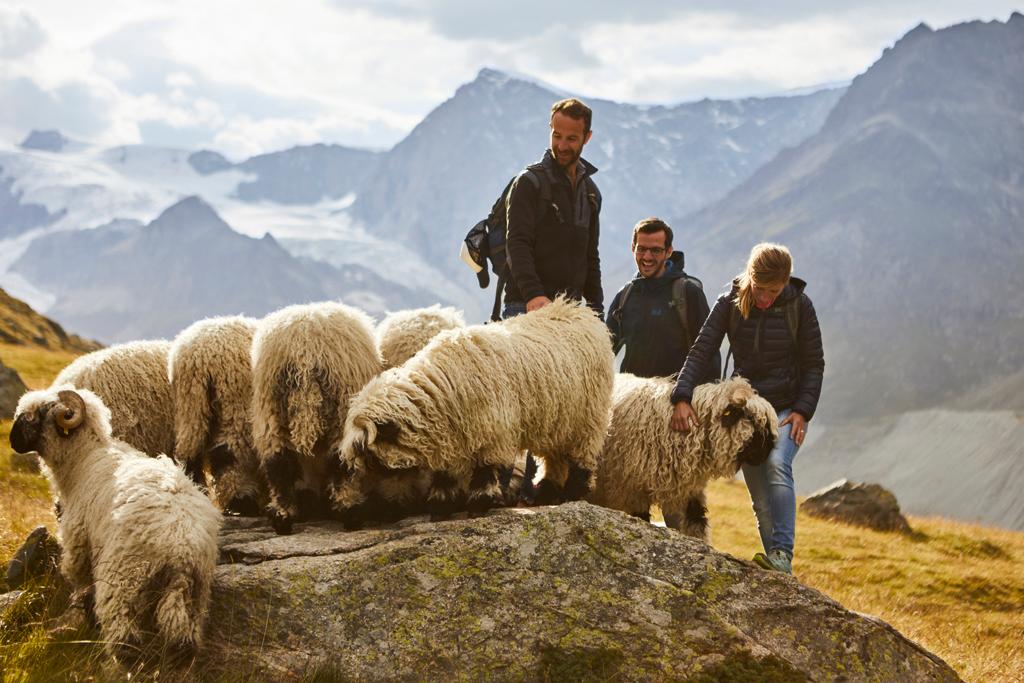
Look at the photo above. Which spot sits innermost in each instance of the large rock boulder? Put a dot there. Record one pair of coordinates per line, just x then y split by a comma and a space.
573, 592
868, 505
11, 389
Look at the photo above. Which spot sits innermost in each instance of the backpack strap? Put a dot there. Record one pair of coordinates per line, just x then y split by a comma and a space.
679, 304
623, 296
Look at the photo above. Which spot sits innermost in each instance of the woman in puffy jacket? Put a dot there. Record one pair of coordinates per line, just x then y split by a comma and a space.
776, 345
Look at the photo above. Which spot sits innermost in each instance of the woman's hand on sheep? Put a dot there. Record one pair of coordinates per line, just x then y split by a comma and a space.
683, 417
799, 427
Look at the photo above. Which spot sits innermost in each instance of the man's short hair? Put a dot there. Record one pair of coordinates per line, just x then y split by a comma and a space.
574, 109
650, 226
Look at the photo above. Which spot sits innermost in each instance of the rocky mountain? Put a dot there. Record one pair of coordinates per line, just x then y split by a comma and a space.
905, 213
431, 187
20, 326
121, 282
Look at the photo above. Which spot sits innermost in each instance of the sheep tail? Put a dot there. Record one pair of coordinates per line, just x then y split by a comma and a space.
173, 618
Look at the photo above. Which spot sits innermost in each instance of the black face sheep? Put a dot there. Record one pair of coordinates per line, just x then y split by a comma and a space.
211, 378
307, 361
134, 528
475, 398
403, 333
645, 462
131, 379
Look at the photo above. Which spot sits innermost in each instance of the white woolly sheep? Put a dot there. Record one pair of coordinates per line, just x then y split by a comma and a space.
131, 379
644, 462
475, 398
307, 361
210, 375
403, 333
134, 529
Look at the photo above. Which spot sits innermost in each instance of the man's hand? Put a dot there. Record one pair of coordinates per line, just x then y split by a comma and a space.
799, 429
683, 417
537, 302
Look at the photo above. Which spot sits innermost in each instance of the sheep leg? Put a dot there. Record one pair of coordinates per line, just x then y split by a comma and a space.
282, 469
646, 516
527, 489
346, 492
549, 491
695, 518
444, 496
484, 490
577, 484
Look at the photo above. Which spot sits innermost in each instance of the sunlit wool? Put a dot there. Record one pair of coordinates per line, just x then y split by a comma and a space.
307, 361
134, 529
645, 462
211, 378
403, 333
478, 396
131, 380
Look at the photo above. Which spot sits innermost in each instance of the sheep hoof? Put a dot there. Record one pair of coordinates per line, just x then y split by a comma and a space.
281, 522
353, 519
577, 485
548, 493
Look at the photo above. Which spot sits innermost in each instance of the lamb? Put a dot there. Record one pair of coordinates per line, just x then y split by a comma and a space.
403, 333
208, 368
644, 462
134, 529
307, 361
475, 398
131, 379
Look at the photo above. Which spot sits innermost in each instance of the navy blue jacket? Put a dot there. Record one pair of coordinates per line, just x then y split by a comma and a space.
650, 329
788, 375
553, 250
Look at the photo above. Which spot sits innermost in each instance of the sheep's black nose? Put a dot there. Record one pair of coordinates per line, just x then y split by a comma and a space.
24, 435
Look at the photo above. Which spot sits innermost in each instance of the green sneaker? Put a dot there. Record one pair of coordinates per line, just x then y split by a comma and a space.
776, 560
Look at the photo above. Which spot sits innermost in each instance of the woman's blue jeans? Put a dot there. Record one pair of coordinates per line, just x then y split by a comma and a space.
771, 489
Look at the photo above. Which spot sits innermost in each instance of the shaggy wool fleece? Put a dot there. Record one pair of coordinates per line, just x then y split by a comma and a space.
133, 529
403, 333
211, 378
307, 361
482, 394
644, 462
131, 379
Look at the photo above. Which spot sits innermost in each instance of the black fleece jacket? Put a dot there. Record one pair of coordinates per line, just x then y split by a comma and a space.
648, 325
552, 250
788, 375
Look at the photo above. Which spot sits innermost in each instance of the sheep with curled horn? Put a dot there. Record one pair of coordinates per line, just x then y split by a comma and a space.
131, 379
307, 361
134, 530
644, 462
208, 367
400, 335
474, 398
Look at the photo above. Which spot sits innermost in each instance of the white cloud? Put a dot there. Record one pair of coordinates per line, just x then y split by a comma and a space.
20, 34
252, 79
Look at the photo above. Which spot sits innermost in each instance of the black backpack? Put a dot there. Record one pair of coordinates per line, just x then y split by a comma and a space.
485, 241
678, 304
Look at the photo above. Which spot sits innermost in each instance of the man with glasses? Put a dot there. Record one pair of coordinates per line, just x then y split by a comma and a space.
658, 314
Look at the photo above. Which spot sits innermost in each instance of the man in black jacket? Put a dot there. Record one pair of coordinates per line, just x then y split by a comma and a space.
553, 209
647, 317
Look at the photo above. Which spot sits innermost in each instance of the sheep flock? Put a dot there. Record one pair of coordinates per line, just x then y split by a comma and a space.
316, 412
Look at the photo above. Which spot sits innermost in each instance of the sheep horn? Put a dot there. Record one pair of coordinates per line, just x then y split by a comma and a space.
70, 411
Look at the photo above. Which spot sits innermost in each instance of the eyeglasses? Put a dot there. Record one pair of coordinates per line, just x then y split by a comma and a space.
653, 251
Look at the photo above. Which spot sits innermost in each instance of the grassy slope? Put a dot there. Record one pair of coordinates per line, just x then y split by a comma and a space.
956, 588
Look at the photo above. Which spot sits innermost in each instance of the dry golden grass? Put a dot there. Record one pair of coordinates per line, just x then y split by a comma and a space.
37, 367
955, 588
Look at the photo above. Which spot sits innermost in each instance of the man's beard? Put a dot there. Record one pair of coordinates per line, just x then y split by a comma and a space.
571, 162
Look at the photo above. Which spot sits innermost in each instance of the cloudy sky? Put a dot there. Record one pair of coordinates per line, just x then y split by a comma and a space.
245, 78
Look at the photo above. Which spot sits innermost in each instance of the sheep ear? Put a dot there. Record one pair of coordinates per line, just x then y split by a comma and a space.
387, 431
732, 415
